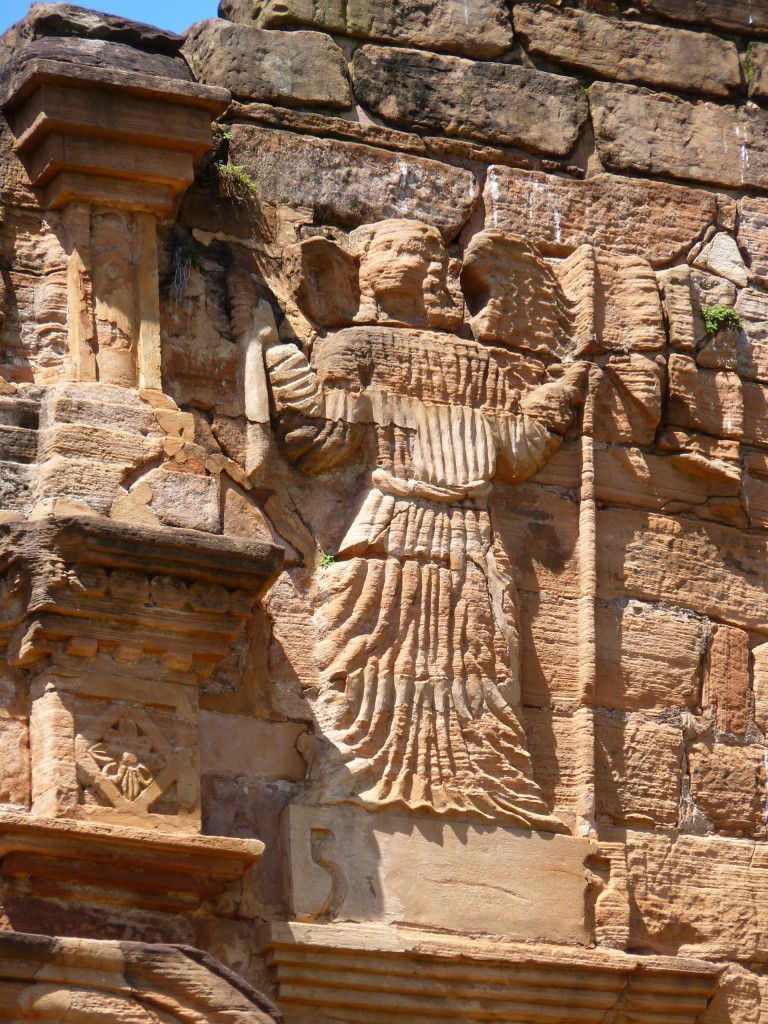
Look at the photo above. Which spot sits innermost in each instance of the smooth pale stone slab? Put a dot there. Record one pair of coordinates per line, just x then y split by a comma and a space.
348, 864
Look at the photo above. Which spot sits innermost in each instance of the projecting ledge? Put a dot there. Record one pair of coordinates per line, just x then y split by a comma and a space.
375, 973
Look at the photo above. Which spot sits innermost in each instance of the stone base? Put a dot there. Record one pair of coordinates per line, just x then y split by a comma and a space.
377, 974
346, 863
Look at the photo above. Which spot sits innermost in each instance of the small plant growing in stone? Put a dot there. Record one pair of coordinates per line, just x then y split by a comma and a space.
327, 560
185, 257
718, 317
749, 66
235, 183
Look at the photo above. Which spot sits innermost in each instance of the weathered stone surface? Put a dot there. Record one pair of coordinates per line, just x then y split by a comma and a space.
753, 235
499, 103
641, 131
728, 784
478, 29
630, 51
722, 919
657, 221
338, 181
758, 71
721, 256
293, 68
685, 293
638, 769
726, 681
238, 747
61, 19
732, 15
707, 400
711, 569
649, 657
387, 868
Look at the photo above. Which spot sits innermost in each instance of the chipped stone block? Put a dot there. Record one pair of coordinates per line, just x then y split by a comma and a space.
236, 746
638, 770
187, 500
721, 256
349, 184
499, 103
651, 133
709, 568
707, 400
649, 657
630, 51
753, 235
305, 69
619, 214
728, 784
726, 681
480, 28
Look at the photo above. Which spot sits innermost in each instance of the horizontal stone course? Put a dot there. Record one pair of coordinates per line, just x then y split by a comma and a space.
500, 103
732, 15
474, 28
645, 132
351, 184
630, 51
655, 220
295, 68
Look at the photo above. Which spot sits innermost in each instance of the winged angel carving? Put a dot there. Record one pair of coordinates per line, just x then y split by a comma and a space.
465, 374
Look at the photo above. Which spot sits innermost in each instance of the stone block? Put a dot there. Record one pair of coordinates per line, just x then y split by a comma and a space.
728, 784
752, 339
345, 863
721, 256
187, 500
711, 569
561, 752
479, 28
732, 15
630, 51
655, 133
726, 680
549, 658
14, 762
236, 746
304, 69
499, 103
638, 770
620, 214
628, 399
626, 475
649, 657
755, 414
698, 896
753, 235
349, 184
755, 497
710, 401
61, 19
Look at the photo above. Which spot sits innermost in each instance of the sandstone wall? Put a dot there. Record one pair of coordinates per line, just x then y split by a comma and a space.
627, 144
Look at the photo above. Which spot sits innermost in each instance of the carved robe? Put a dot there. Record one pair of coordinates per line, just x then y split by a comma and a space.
418, 650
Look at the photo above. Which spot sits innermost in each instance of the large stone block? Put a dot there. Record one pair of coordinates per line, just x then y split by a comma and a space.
707, 400
715, 570
638, 770
499, 103
476, 28
347, 864
655, 220
753, 235
697, 896
651, 133
349, 184
745, 16
305, 69
728, 784
630, 51
726, 683
649, 657
237, 746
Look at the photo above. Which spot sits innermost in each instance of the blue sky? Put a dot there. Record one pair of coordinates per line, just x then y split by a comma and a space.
172, 14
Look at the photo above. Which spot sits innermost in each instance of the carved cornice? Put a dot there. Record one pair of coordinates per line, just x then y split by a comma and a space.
76, 584
373, 973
